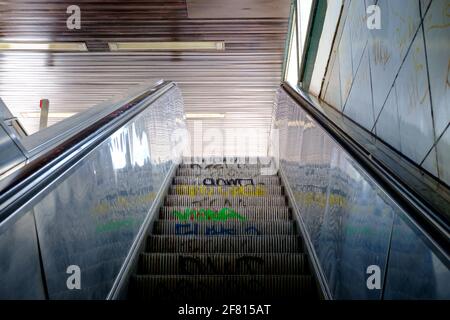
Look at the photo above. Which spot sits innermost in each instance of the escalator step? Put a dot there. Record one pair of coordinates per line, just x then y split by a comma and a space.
227, 191
203, 201
216, 228
200, 180
224, 244
222, 264
221, 288
227, 160
220, 172
221, 166
249, 213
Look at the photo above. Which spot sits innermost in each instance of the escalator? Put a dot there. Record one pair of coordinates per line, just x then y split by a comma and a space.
105, 205
225, 232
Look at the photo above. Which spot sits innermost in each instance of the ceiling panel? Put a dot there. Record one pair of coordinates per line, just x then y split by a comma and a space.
240, 81
238, 8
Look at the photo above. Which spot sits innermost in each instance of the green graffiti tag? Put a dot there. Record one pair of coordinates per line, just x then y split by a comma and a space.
208, 215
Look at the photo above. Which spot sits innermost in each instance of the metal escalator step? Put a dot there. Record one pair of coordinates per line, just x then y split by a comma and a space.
227, 160
220, 172
221, 288
220, 228
224, 244
226, 191
250, 213
221, 264
200, 180
222, 166
211, 201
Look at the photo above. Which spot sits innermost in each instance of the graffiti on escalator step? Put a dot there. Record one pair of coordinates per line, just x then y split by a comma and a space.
234, 191
229, 182
206, 202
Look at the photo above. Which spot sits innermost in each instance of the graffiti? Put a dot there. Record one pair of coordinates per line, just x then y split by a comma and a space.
320, 199
114, 225
208, 215
187, 229
233, 191
229, 182
205, 202
122, 202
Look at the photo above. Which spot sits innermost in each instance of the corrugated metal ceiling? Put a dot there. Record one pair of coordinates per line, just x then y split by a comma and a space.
240, 82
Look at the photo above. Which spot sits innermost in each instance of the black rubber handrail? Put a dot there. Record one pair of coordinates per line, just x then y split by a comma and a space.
419, 209
37, 175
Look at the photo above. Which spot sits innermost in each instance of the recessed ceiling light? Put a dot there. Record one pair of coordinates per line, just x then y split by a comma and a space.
205, 115
50, 115
167, 46
41, 46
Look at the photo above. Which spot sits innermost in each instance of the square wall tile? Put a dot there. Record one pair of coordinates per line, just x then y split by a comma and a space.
437, 40
388, 127
358, 31
359, 103
414, 105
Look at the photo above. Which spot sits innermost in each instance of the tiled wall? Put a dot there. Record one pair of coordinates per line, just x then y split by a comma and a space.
395, 81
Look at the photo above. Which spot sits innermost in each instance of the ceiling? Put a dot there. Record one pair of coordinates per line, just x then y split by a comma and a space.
240, 81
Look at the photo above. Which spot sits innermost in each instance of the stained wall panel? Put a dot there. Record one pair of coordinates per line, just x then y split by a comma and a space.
359, 103
437, 34
388, 126
413, 98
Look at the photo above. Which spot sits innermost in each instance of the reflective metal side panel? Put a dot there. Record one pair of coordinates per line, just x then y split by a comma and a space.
20, 271
10, 153
349, 219
415, 271
90, 217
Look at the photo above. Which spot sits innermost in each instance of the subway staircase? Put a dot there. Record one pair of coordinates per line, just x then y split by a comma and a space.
225, 232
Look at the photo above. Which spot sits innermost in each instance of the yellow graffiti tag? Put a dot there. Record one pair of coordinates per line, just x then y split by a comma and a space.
234, 191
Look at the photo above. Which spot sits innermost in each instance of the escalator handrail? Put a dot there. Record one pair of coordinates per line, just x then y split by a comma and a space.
35, 177
423, 215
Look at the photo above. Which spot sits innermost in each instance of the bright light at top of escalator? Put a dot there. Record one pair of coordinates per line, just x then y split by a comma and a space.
118, 149
140, 151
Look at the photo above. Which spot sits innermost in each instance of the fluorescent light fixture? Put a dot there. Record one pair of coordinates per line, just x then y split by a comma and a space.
41, 46
167, 46
205, 115
50, 115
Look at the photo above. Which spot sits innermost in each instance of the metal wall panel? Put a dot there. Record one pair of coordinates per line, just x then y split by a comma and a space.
437, 34
414, 104
359, 103
388, 126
